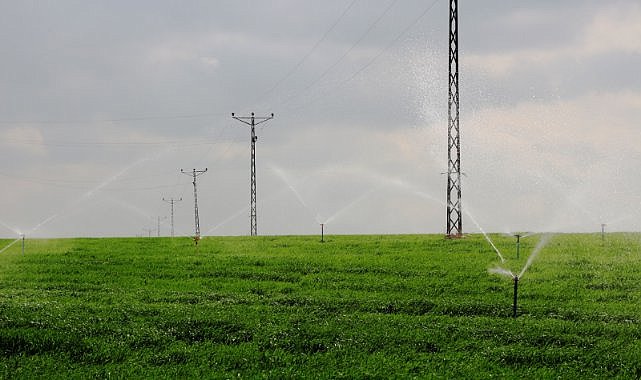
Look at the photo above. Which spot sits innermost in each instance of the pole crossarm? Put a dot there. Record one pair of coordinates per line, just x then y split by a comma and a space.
253, 121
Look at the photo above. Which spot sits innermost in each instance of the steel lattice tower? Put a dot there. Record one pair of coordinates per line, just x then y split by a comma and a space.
253, 121
454, 215
195, 173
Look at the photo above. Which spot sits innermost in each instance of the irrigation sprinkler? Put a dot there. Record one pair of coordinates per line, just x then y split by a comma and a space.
22, 235
516, 291
603, 233
322, 232
518, 244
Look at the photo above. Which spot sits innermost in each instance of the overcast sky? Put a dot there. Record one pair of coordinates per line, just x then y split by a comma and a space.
103, 102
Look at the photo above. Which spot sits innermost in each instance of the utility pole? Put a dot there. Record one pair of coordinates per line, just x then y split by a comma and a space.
158, 225
253, 121
195, 173
171, 201
454, 215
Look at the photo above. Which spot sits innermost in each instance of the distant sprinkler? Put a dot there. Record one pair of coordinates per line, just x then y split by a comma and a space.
516, 290
518, 244
322, 232
22, 235
603, 232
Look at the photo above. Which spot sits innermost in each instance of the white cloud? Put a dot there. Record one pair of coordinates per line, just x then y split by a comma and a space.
26, 139
613, 29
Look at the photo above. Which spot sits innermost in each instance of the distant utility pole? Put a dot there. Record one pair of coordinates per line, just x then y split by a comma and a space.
171, 201
195, 173
454, 214
158, 224
253, 121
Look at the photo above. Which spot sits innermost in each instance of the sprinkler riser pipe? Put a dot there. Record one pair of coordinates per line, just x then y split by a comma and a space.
516, 291
322, 232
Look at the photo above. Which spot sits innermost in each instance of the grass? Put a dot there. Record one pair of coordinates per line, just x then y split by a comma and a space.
291, 307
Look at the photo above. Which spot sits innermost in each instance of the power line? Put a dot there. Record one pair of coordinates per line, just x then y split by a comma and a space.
309, 53
342, 57
373, 60
93, 144
114, 120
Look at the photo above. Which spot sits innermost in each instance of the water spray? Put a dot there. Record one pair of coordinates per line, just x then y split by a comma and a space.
516, 277
9, 245
487, 237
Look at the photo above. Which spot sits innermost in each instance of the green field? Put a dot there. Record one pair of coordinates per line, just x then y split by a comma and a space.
292, 307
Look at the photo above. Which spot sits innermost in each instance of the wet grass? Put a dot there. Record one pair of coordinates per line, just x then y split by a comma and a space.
291, 307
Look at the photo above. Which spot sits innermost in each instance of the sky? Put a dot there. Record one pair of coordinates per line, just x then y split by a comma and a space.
102, 103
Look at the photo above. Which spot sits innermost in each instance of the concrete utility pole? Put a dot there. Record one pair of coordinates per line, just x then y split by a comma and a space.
172, 201
195, 173
158, 224
253, 121
454, 214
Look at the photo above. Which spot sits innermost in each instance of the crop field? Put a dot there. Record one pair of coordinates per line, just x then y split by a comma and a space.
404, 306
